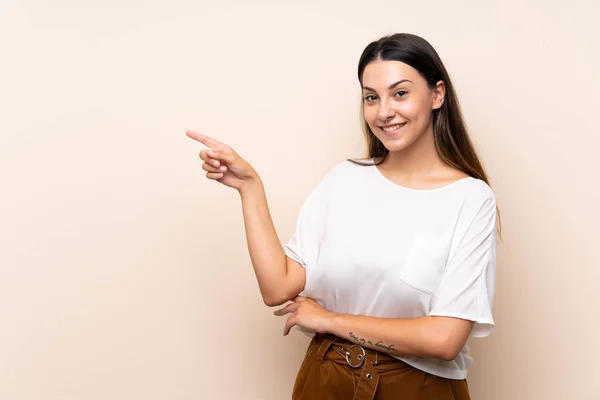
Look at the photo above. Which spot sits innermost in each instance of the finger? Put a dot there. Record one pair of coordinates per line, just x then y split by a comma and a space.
290, 308
300, 299
209, 168
209, 160
208, 141
289, 324
214, 175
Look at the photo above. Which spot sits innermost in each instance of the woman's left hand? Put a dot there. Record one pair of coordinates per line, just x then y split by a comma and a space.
306, 313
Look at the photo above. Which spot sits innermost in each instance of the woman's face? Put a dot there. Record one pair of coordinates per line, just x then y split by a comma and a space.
398, 103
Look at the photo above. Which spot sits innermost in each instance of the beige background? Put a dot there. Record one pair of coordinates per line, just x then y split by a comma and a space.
124, 273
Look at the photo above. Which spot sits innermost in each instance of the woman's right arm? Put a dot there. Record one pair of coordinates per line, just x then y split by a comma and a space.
280, 278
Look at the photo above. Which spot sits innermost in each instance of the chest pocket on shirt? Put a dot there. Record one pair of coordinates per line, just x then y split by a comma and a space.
425, 264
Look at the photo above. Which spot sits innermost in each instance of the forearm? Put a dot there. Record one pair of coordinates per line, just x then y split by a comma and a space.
266, 253
421, 337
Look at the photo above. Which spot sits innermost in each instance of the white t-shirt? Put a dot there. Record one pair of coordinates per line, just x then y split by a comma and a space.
373, 247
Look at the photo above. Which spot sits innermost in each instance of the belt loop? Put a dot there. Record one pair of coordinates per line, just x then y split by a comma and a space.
376, 358
326, 343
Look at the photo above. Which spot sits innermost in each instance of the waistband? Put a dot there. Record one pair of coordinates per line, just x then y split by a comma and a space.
354, 355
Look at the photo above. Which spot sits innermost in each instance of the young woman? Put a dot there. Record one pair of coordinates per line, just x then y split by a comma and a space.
395, 254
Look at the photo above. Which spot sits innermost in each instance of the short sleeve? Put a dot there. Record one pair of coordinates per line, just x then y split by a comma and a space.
304, 244
467, 288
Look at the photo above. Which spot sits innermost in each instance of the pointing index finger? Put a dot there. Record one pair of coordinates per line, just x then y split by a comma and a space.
210, 142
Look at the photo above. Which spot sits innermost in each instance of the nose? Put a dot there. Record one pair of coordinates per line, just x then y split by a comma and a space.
385, 111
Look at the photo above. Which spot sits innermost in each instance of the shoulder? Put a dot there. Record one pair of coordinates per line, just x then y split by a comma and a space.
479, 200
330, 178
474, 188
339, 176
479, 189
348, 167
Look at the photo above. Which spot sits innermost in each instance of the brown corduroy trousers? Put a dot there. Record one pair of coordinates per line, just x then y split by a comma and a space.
336, 369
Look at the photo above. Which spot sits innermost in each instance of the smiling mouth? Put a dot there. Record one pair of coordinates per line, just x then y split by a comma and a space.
393, 128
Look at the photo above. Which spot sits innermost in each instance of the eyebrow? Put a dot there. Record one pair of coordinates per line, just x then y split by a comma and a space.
393, 85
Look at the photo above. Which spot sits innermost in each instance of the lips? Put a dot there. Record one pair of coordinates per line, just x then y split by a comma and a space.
393, 128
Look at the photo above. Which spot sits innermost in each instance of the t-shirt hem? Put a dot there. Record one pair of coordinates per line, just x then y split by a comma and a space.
291, 254
483, 327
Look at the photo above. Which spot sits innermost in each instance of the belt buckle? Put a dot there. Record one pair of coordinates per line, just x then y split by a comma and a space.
361, 357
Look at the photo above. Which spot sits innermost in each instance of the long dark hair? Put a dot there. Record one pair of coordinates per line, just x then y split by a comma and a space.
449, 131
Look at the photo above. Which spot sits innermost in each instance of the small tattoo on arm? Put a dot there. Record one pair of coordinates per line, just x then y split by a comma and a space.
356, 339
388, 348
379, 344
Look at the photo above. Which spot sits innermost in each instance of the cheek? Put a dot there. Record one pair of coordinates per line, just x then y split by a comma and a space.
370, 113
411, 110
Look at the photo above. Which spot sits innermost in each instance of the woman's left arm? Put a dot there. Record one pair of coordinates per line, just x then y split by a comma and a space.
437, 337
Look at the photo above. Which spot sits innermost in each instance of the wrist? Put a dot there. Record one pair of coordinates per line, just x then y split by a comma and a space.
333, 323
251, 186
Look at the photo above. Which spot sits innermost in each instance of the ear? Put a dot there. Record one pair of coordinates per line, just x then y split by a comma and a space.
439, 95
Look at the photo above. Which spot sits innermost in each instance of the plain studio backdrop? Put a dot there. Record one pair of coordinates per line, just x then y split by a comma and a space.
124, 272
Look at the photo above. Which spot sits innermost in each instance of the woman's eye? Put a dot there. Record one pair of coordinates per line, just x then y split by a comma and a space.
371, 97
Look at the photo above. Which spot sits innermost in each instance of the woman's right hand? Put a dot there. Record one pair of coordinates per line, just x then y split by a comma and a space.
223, 164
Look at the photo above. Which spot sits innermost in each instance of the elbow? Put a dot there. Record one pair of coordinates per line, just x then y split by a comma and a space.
448, 353
274, 301
449, 348
271, 302
448, 337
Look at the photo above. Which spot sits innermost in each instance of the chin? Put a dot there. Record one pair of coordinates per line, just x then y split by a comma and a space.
395, 148
395, 144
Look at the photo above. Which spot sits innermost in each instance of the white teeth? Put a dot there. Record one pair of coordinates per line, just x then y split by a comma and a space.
393, 128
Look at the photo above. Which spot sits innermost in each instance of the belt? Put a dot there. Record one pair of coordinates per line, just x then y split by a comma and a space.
362, 362
354, 354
